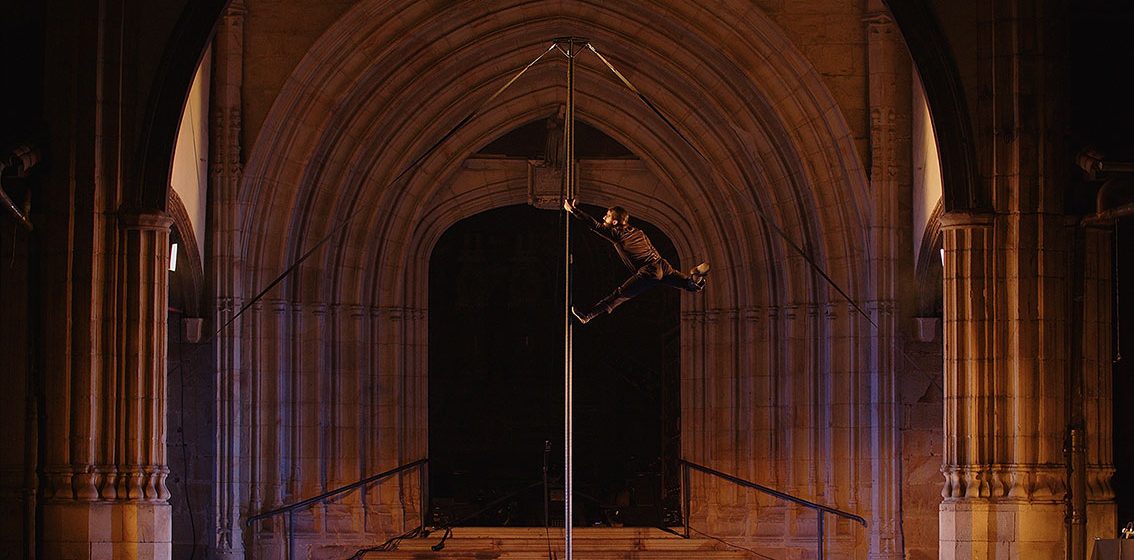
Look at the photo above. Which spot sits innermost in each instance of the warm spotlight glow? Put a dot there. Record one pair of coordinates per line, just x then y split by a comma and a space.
173, 258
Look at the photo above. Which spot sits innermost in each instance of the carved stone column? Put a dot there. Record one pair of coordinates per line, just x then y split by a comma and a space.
1005, 374
1097, 384
1014, 433
225, 227
105, 494
968, 246
889, 96
143, 288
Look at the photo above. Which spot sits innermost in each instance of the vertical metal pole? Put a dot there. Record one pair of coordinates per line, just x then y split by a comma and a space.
819, 529
290, 534
546, 498
423, 472
569, 347
686, 493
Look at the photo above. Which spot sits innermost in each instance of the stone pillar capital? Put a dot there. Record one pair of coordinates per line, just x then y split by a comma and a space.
955, 220
150, 220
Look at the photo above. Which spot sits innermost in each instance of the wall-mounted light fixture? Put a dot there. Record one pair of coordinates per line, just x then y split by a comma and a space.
173, 258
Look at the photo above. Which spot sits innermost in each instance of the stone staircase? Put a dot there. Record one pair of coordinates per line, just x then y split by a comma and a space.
531, 543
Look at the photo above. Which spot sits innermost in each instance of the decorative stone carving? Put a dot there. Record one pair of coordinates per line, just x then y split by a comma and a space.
545, 186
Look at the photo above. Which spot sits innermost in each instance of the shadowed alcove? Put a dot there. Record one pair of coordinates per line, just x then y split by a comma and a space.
496, 368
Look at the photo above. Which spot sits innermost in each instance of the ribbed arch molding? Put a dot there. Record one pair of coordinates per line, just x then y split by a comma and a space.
390, 79
370, 98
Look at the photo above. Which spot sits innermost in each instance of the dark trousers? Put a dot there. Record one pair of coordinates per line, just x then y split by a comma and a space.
657, 273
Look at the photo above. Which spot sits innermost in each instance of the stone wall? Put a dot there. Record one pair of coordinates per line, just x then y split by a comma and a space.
780, 376
191, 396
922, 440
19, 412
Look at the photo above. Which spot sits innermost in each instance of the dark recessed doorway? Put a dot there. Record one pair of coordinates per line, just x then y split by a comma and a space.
496, 379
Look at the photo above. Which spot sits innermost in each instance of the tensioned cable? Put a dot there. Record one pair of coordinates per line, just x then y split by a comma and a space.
767, 219
475, 113
405, 172
771, 223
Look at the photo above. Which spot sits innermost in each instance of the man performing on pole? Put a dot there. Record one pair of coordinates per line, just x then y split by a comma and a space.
639, 255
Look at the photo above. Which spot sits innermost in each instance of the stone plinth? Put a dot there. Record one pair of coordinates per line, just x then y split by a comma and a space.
1002, 530
106, 530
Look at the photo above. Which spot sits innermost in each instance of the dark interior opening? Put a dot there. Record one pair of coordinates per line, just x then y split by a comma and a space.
1102, 116
190, 417
496, 379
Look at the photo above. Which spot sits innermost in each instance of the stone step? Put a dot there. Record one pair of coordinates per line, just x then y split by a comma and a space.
532, 543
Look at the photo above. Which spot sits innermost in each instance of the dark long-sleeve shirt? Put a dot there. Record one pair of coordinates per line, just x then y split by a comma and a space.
631, 243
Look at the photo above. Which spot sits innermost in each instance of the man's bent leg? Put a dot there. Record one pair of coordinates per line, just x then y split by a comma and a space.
640, 282
646, 277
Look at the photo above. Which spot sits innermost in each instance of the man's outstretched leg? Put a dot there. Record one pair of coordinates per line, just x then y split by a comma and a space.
647, 277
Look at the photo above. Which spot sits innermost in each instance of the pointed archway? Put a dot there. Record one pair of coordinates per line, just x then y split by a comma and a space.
495, 379
774, 381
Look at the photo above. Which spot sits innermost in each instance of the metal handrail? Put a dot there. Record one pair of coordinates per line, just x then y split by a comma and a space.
419, 464
687, 466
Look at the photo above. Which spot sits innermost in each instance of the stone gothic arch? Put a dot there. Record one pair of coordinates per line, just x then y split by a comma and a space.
180, 58
929, 48
776, 367
783, 383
